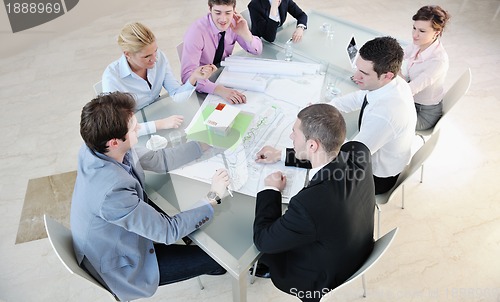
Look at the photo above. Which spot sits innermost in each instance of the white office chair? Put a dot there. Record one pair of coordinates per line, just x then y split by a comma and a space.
417, 161
379, 249
98, 88
179, 50
62, 242
246, 15
451, 97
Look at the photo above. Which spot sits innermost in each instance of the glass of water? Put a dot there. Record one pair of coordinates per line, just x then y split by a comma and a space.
288, 50
325, 27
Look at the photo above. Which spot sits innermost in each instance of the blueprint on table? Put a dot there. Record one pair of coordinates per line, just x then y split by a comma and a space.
266, 119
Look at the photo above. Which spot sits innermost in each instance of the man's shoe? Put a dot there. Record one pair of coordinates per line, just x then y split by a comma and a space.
217, 272
262, 271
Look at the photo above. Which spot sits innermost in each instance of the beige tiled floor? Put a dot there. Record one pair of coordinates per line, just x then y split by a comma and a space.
448, 246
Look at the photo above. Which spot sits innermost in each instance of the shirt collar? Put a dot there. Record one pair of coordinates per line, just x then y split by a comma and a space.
126, 164
125, 70
372, 96
427, 53
313, 171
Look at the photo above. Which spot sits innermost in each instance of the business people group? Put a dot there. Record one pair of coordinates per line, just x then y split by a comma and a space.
127, 243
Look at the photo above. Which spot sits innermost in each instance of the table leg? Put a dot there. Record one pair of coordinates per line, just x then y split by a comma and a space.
240, 288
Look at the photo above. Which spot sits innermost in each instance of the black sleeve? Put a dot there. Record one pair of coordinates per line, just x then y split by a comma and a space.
291, 160
297, 13
262, 25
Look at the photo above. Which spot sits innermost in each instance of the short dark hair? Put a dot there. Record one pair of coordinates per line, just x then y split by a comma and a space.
106, 117
221, 2
434, 13
324, 123
385, 53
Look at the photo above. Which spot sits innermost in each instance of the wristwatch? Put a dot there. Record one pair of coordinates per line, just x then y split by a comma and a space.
302, 26
213, 196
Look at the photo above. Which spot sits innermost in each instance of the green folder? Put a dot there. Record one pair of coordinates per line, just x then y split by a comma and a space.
201, 132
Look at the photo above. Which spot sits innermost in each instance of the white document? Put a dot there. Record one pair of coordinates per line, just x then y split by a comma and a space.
245, 81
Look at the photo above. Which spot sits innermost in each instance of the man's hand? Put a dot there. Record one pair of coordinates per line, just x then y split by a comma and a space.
268, 155
202, 73
297, 34
240, 27
220, 182
230, 95
170, 122
276, 180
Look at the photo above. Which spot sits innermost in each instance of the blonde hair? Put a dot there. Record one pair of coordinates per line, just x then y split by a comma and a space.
135, 36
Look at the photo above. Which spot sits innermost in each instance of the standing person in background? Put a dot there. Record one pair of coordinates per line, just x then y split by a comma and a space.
143, 70
426, 63
268, 15
211, 39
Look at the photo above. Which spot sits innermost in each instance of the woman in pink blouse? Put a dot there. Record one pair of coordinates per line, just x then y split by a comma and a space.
426, 63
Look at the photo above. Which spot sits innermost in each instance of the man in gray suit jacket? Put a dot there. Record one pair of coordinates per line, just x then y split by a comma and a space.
118, 237
327, 232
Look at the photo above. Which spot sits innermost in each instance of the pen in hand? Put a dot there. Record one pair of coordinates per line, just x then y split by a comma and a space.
229, 191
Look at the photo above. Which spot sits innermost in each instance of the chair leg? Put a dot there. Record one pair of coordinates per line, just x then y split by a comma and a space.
422, 137
403, 197
199, 283
422, 173
252, 278
364, 285
378, 220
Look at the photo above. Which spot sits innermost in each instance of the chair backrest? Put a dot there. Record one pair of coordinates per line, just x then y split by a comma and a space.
417, 160
457, 91
179, 50
379, 249
451, 97
98, 88
62, 242
246, 15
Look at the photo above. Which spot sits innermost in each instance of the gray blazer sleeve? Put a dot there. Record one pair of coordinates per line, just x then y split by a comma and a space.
167, 159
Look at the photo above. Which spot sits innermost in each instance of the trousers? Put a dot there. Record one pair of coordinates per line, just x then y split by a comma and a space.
181, 262
428, 115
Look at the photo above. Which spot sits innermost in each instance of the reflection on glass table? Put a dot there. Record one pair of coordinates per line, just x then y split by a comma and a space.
326, 38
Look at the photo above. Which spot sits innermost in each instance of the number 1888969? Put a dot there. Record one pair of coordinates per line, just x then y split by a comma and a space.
33, 8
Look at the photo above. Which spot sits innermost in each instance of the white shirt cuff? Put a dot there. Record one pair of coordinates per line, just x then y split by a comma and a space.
147, 128
283, 155
270, 188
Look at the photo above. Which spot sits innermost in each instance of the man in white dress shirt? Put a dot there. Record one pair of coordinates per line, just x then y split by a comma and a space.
387, 118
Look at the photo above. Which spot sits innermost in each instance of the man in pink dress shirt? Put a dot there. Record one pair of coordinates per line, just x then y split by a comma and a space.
202, 39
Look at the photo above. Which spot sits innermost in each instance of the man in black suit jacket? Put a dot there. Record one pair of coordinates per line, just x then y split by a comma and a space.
268, 15
327, 232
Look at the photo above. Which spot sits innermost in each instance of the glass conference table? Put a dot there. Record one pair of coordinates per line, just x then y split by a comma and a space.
228, 238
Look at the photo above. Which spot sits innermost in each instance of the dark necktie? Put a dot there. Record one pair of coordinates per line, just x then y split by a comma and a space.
365, 102
220, 49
